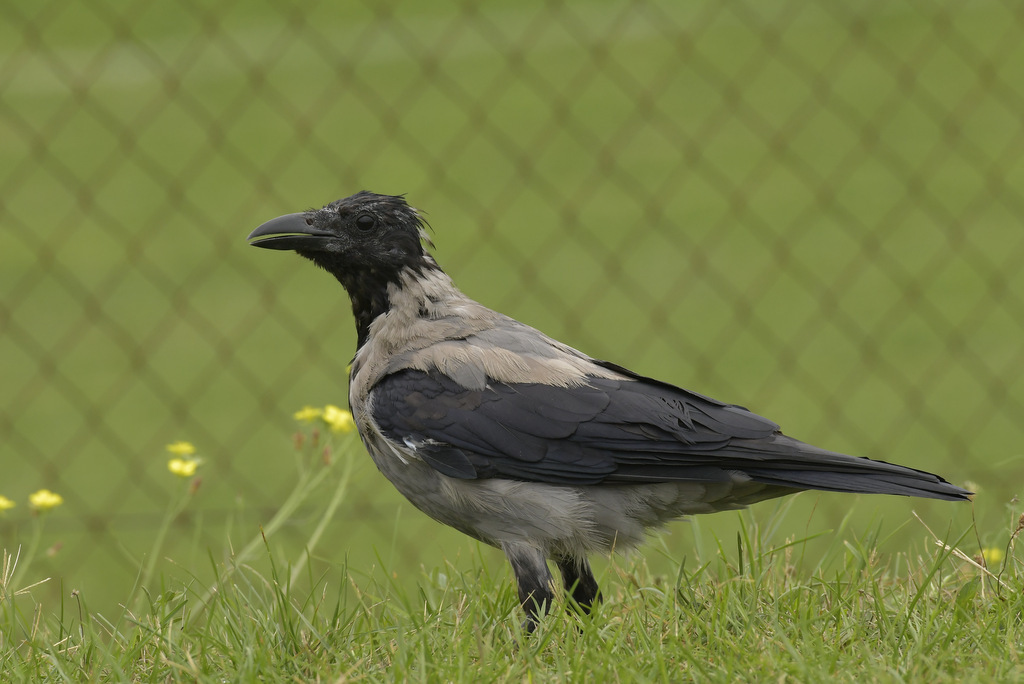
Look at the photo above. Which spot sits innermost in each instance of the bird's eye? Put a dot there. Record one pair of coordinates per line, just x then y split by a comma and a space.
365, 222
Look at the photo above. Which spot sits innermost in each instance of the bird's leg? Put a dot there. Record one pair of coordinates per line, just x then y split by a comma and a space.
533, 577
579, 581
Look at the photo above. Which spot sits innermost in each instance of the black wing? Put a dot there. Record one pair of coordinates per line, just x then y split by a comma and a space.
628, 430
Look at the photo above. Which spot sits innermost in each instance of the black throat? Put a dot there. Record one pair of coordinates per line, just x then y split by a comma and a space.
368, 290
369, 294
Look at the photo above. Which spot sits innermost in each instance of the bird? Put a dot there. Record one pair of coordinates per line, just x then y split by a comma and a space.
523, 442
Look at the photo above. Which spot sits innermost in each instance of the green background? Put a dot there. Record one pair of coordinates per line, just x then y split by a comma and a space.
812, 209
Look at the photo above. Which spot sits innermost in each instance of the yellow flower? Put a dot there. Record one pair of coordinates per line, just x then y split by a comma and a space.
183, 467
338, 419
44, 500
993, 556
181, 448
6, 504
307, 414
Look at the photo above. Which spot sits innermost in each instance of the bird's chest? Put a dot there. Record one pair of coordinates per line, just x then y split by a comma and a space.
424, 487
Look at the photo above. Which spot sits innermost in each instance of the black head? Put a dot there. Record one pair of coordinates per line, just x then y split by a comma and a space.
366, 241
362, 233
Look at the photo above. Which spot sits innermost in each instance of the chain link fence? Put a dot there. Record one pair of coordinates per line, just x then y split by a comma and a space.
810, 208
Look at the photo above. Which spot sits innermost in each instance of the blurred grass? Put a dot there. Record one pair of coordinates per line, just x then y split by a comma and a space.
809, 210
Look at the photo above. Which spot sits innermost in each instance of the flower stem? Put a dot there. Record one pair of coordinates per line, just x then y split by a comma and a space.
173, 511
339, 494
308, 481
24, 560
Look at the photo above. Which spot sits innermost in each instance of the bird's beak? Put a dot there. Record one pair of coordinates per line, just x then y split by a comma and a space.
291, 231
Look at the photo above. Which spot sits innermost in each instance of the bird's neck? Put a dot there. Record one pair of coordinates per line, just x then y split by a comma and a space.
368, 302
409, 291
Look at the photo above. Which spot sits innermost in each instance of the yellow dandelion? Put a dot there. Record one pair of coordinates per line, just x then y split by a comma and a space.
338, 419
44, 500
6, 504
181, 448
307, 414
183, 467
993, 555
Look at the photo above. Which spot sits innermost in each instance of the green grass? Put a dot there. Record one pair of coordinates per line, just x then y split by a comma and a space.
761, 605
758, 609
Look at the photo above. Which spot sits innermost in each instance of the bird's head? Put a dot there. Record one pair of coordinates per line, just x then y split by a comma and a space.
367, 241
366, 233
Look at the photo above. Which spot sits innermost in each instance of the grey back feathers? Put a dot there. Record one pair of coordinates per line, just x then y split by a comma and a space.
523, 442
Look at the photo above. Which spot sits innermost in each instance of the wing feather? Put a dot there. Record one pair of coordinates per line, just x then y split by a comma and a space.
610, 431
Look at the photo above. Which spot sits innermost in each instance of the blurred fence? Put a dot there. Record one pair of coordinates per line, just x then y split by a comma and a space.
811, 208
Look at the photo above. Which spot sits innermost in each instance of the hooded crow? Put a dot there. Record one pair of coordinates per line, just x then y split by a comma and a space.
490, 426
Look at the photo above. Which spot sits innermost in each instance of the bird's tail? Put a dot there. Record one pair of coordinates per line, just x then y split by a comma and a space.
787, 462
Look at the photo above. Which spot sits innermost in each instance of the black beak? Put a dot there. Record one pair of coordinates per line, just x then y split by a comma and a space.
291, 231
